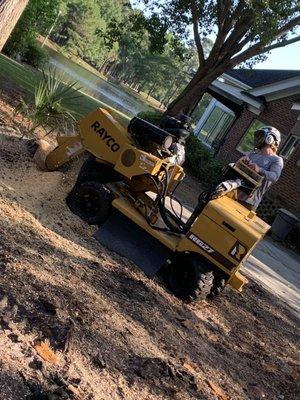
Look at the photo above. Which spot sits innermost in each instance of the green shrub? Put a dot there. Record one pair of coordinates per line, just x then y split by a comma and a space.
201, 162
151, 116
34, 55
52, 107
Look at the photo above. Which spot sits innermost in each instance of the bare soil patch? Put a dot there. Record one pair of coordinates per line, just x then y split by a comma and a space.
79, 322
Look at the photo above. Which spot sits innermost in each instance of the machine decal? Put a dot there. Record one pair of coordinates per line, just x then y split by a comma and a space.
238, 251
212, 252
108, 139
200, 243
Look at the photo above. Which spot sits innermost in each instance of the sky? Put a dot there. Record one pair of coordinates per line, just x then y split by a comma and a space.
284, 58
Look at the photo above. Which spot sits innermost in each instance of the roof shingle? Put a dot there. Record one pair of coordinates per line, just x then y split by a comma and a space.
261, 77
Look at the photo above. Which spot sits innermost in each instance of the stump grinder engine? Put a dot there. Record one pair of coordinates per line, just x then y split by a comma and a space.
126, 187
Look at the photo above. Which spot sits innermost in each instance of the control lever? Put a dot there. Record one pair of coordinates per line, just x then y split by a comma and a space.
225, 187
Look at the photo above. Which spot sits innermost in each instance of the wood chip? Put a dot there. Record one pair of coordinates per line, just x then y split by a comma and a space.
46, 353
69, 335
181, 334
217, 391
75, 391
270, 368
186, 323
189, 367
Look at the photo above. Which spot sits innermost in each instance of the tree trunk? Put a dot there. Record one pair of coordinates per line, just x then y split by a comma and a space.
169, 93
170, 96
104, 65
193, 92
153, 87
10, 12
142, 86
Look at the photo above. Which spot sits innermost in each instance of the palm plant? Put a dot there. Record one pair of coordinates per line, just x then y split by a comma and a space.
52, 106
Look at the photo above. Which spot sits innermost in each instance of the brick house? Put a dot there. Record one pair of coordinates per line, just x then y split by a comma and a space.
240, 102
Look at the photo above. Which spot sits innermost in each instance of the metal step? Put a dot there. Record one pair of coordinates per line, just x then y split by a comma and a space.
124, 237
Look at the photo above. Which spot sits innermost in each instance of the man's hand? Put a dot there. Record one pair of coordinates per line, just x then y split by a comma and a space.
253, 166
246, 160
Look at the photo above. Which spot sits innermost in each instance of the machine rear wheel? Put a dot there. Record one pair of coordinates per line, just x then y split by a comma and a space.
218, 286
190, 277
91, 201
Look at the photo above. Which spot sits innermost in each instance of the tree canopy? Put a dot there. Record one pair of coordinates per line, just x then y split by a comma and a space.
242, 31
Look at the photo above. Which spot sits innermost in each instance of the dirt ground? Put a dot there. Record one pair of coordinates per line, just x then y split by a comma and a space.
78, 322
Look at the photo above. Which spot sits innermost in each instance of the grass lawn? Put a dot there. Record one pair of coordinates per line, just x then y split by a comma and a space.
27, 78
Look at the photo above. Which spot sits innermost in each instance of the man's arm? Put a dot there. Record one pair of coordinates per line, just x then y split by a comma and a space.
274, 172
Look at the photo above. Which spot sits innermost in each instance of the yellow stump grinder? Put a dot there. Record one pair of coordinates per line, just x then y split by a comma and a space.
127, 188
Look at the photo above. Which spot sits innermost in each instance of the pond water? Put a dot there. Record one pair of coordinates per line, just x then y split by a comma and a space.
108, 93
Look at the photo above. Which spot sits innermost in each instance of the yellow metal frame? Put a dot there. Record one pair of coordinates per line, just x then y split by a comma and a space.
211, 240
224, 233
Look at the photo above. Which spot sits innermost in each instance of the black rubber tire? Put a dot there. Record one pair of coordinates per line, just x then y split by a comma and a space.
91, 201
190, 277
218, 285
96, 171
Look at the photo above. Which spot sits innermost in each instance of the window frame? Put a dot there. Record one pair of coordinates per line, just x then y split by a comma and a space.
214, 103
291, 140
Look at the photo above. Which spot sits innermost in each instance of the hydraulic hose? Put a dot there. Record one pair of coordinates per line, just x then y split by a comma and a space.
162, 209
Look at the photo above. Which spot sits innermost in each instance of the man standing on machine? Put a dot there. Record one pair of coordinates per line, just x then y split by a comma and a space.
265, 161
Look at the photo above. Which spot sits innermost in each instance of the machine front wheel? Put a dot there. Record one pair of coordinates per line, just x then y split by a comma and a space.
190, 278
91, 201
95, 171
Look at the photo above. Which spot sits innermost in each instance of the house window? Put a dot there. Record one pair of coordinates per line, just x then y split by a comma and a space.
246, 145
201, 107
214, 123
289, 146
